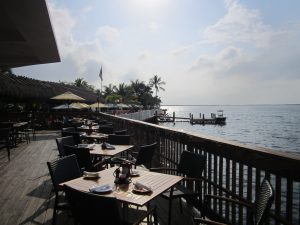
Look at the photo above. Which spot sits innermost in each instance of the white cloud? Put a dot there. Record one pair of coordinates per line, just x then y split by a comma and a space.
154, 27
87, 9
144, 56
77, 56
239, 25
63, 24
108, 33
182, 50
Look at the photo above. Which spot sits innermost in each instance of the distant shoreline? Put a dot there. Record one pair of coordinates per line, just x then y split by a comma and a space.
229, 104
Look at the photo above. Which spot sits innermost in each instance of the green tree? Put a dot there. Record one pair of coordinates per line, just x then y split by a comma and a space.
80, 82
108, 90
157, 83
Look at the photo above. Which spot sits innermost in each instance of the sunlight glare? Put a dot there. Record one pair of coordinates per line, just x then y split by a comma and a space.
150, 6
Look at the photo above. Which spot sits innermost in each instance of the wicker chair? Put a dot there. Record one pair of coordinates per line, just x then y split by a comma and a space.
5, 140
60, 142
191, 167
84, 158
76, 136
106, 129
121, 132
61, 170
144, 155
259, 209
115, 139
92, 209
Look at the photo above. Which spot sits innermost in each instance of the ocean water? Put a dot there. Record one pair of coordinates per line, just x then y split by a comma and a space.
272, 126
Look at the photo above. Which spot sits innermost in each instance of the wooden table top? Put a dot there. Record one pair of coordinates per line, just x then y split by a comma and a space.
95, 136
159, 183
19, 124
87, 128
97, 150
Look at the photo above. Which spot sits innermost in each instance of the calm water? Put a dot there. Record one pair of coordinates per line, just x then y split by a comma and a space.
271, 126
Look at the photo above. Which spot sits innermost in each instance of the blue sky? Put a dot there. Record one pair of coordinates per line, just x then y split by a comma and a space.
207, 52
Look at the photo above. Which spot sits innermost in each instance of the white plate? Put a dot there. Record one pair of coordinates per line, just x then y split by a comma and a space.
140, 190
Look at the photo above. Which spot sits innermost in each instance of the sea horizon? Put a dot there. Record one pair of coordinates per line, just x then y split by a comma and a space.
274, 126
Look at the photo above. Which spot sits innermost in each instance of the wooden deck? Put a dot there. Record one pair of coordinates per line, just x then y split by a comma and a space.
25, 187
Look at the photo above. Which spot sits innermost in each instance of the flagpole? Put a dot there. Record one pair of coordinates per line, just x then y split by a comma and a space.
100, 75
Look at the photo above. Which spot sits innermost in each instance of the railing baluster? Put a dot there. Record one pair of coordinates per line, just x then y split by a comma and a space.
215, 178
227, 187
233, 190
220, 183
241, 191
277, 197
289, 200
249, 190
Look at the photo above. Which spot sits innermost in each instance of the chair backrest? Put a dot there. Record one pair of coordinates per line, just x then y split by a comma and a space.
90, 209
68, 129
69, 149
60, 142
191, 164
145, 155
84, 158
121, 132
4, 135
76, 136
63, 169
106, 129
115, 139
263, 202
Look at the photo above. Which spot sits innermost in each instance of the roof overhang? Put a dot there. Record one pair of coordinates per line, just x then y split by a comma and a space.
26, 35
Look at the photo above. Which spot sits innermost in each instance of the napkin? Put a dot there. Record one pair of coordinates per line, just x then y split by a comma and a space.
107, 146
140, 185
101, 189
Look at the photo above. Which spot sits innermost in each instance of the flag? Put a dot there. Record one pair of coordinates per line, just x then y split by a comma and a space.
100, 74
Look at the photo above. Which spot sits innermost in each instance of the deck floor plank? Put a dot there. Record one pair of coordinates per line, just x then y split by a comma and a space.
26, 196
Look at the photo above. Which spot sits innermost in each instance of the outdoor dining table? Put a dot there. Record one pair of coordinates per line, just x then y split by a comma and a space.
88, 128
125, 193
98, 150
94, 136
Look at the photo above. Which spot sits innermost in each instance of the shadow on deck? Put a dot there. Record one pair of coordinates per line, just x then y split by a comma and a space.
26, 196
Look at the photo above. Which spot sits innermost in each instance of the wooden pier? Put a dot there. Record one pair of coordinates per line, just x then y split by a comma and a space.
213, 119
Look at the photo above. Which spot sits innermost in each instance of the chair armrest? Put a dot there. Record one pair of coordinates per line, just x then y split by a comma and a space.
147, 213
209, 222
160, 169
207, 196
192, 179
100, 164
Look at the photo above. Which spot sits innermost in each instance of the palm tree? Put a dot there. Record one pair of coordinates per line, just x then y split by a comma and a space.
80, 82
157, 83
108, 90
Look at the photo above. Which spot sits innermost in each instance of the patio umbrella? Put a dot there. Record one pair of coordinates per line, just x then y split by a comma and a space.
95, 105
79, 105
123, 106
68, 96
65, 106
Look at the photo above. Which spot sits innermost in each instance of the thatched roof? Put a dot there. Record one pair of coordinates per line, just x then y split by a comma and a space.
22, 88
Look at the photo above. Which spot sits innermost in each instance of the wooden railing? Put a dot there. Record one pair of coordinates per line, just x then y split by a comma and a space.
232, 169
142, 115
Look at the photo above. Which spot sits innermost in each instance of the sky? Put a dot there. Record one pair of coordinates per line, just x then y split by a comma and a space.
208, 52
